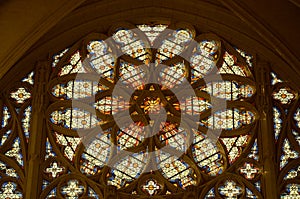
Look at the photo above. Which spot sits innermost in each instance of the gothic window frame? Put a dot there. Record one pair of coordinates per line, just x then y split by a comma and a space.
45, 77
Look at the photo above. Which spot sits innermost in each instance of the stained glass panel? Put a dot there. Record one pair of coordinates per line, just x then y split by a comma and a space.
151, 187
229, 90
229, 119
293, 173
232, 66
193, 105
5, 116
127, 169
204, 59
297, 136
249, 171
284, 95
20, 95
275, 79
132, 75
130, 136
174, 44
297, 117
287, 153
29, 78
15, 152
72, 189
9, 190
77, 89
235, 146
292, 191
152, 31
248, 57
74, 119
101, 59
230, 190
74, 65
26, 122
58, 56
54, 170
175, 170
95, 155
173, 76
69, 144
131, 44
254, 151
207, 155
277, 122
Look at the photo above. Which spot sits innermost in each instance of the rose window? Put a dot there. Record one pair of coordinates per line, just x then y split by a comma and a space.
146, 128
157, 110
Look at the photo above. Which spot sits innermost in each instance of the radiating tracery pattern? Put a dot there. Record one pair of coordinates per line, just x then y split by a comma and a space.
139, 144
132, 154
96, 144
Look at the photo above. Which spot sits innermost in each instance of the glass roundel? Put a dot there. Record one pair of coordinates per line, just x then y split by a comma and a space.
149, 100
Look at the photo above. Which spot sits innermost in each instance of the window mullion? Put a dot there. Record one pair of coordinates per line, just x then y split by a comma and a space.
37, 132
265, 131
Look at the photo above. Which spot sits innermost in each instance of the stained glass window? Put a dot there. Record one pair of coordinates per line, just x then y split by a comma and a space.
140, 142
14, 136
149, 111
286, 129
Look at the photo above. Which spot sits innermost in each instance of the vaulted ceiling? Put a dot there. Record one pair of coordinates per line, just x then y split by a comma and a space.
32, 30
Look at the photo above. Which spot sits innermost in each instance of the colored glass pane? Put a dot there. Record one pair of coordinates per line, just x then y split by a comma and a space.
284, 95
